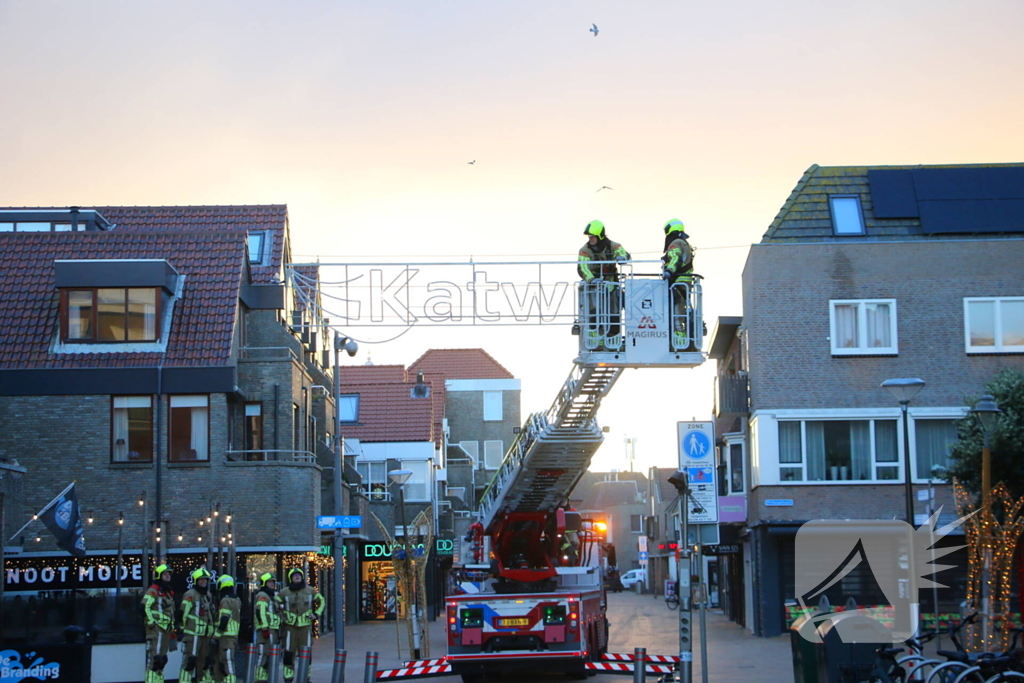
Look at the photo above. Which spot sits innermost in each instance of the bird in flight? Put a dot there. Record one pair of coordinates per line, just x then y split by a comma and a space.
471, 162
593, 29
605, 187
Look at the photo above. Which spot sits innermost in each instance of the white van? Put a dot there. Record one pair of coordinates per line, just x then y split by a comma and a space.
634, 576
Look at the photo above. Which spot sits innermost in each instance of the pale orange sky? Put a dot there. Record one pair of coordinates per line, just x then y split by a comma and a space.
362, 118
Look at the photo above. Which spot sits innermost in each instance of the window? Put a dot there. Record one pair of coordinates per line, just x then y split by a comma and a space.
932, 440
494, 452
838, 450
36, 226
375, 480
735, 468
348, 407
417, 487
473, 448
190, 429
863, 327
846, 216
253, 426
110, 315
296, 427
256, 240
492, 406
636, 524
132, 431
994, 325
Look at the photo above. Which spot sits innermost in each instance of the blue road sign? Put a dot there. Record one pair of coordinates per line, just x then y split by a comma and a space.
339, 522
697, 445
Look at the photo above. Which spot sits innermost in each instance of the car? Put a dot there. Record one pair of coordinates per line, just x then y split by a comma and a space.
634, 576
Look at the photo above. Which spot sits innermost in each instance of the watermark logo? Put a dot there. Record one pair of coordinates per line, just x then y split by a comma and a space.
13, 669
647, 323
897, 556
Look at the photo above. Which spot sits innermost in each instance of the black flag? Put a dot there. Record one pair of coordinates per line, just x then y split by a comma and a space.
62, 519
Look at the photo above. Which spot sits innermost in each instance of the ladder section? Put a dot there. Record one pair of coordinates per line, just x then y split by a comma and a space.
553, 449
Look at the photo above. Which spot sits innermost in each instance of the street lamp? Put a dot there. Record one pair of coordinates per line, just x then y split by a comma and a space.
986, 410
904, 390
399, 477
350, 347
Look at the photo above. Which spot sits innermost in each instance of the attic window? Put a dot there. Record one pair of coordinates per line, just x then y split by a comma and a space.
256, 240
348, 407
846, 214
123, 314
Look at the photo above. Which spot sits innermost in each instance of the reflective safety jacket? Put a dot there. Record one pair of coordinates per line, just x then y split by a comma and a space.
678, 259
197, 613
298, 607
229, 616
159, 607
604, 250
265, 616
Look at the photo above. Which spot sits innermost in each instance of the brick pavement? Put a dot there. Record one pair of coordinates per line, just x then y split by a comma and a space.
636, 621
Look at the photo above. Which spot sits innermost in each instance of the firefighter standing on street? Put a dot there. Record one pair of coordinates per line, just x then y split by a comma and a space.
678, 272
266, 623
299, 605
228, 618
158, 604
604, 304
197, 622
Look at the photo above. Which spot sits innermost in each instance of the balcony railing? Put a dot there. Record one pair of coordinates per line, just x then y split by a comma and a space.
270, 456
732, 395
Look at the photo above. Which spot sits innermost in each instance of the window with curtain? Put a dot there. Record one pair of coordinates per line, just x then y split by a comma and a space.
132, 433
106, 314
253, 428
933, 440
189, 429
837, 450
863, 327
994, 325
375, 479
418, 486
735, 468
494, 451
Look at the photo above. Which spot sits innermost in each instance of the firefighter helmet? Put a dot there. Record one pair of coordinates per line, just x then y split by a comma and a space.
595, 228
201, 573
225, 581
674, 225
267, 578
159, 571
295, 570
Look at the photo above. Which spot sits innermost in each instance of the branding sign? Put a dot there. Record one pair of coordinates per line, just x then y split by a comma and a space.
66, 572
45, 663
382, 551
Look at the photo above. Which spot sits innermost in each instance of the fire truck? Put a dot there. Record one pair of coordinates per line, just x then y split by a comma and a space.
543, 604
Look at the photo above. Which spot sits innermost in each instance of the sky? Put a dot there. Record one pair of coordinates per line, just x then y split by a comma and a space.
363, 117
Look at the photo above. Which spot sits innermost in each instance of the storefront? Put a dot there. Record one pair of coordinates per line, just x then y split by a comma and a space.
379, 595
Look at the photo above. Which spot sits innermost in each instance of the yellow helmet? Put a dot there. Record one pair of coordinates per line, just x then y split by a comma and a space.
225, 582
201, 573
295, 570
267, 578
595, 228
674, 225
159, 571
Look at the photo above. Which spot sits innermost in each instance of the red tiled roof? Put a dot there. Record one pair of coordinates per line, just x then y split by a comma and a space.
204, 318
369, 374
387, 412
460, 364
251, 218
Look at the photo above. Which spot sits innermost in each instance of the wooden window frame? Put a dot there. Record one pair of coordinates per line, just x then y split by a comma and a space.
94, 318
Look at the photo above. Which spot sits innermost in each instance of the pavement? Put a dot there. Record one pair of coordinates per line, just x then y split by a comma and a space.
635, 621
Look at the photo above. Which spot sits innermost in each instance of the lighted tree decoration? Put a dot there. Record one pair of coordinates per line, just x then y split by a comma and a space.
991, 544
412, 568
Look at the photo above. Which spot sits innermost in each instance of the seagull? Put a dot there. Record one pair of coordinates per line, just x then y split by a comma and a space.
594, 30
605, 187
471, 162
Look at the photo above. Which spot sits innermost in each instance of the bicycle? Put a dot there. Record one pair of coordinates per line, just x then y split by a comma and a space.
672, 601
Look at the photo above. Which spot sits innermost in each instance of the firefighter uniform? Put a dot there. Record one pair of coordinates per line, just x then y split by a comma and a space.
158, 604
197, 621
298, 605
228, 619
678, 271
266, 623
603, 300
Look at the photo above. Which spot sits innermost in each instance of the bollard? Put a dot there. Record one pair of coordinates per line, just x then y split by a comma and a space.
370, 674
338, 675
302, 663
639, 664
275, 664
250, 664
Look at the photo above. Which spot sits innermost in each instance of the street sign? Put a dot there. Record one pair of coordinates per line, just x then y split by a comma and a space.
696, 443
643, 555
339, 522
703, 501
779, 502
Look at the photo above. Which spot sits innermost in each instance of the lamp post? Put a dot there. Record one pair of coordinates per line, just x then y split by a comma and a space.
350, 347
986, 410
399, 477
904, 390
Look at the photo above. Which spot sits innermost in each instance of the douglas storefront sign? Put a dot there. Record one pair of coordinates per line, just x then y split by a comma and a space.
383, 551
70, 573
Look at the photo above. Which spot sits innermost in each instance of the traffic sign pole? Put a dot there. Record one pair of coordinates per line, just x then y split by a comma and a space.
683, 586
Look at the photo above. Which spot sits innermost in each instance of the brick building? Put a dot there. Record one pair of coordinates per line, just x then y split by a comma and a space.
866, 274
155, 355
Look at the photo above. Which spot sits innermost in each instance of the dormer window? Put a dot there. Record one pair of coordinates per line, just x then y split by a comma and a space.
256, 244
847, 218
110, 315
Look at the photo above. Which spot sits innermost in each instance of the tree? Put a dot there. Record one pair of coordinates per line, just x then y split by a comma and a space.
1006, 444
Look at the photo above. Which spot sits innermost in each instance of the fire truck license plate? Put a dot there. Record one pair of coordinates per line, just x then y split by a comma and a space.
513, 622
